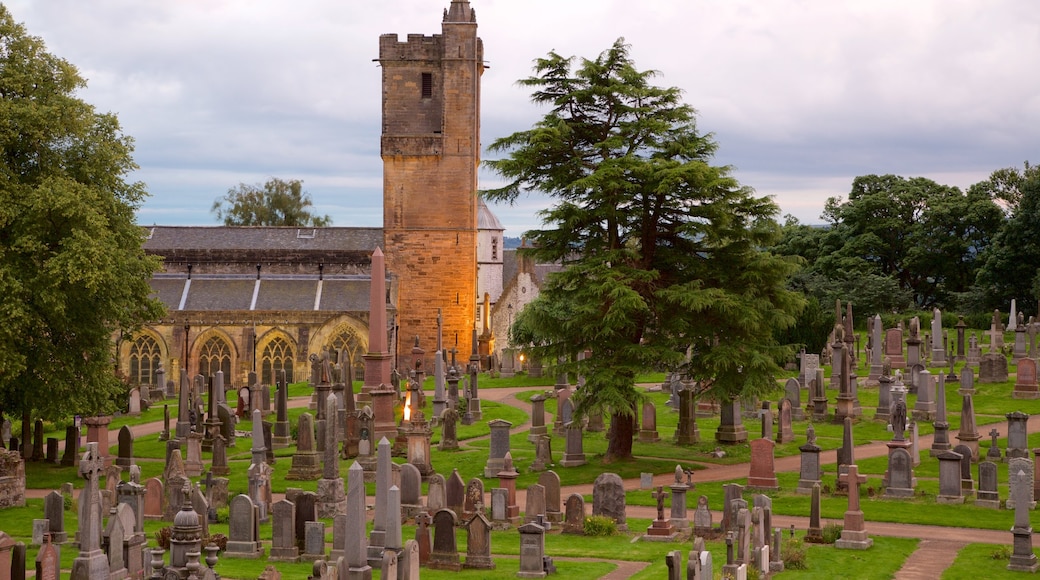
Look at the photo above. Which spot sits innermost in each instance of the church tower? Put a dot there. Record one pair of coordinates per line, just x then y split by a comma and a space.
431, 152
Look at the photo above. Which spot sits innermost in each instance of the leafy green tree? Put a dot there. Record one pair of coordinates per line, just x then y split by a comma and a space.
662, 249
1011, 264
1005, 185
275, 203
925, 236
72, 269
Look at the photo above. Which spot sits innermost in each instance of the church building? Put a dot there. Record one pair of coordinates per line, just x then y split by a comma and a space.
263, 299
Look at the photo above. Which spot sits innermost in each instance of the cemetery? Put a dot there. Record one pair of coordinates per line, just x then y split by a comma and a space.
145, 493
908, 445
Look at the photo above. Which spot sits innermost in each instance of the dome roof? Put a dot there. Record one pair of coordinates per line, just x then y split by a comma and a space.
485, 219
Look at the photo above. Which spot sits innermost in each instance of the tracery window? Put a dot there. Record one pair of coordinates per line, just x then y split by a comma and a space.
348, 344
277, 356
215, 355
144, 360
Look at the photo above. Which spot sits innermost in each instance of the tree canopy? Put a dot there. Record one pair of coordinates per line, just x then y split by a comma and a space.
663, 250
72, 268
276, 202
895, 243
1010, 266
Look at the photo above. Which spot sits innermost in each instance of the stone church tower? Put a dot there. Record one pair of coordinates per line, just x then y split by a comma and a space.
431, 152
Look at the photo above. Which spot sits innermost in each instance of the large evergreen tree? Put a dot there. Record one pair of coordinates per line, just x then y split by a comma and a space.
1011, 264
72, 269
663, 251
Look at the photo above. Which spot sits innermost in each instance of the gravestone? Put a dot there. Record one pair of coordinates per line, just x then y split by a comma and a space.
1022, 557
153, 499
91, 562
445, 553
854, 534
678, 489
478, 543
762, 474
793, 394
925, 408
532, 551
243, 529
810, 471
71, 446
474, 500
993, 368
731, 428
785, 432
814, 534
355, 548
1020, 470
967, 485
608, 499
949, 478
283, 533
498, 448
455, 492
1026, 386
648, 431
314, 541
411, 490
48, 561
538, 427
1018, 433
987, 496
702, 519
535, 508
574, 515
900, 478
435, 494
306, 462
551, 482
894, 347
449, 439
54, 511
574, 453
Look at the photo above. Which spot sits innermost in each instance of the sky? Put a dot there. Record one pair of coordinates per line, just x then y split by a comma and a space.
801, 96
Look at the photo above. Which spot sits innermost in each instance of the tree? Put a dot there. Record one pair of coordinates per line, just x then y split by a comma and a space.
925, 236
1011, 264
662, 249
73, 272
275, 203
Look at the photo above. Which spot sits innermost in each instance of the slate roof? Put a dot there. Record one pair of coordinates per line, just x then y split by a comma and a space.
296, 293
164, 238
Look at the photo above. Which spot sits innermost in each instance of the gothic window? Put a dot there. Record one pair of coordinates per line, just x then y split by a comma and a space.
349, 347
144, 360
427, 85
215, 355
277, 356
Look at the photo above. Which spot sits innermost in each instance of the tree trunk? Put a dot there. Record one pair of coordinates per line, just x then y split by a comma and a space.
619, 438
26, 441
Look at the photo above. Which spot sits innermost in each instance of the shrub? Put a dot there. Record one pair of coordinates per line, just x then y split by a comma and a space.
163, 536
224, 515
1001, 552
219, 539
600, 526
67, 503
831, 532
793, 553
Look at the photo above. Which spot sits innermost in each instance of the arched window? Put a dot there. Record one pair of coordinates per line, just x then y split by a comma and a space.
348, 344
144, 360
277, 356
214, 356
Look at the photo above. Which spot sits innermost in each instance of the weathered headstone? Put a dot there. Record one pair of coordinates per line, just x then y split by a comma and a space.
478, 543
498, 448
243, 529
445, 553
648, 431
574, 515
1022, 556
949, 478
283, 533
306, 462
1018, 433
532, 551
1026, 386
91, 562
987, 496
762, 474
608, 499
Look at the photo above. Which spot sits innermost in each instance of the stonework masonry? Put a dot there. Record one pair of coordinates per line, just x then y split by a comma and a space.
431, 153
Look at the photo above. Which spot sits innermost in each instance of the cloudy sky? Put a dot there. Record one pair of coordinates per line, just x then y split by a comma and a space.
802, 96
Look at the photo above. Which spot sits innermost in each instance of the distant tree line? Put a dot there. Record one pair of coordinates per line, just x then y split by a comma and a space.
900, 244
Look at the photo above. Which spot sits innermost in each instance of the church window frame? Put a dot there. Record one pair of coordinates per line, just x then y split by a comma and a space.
277, 354
144, 358
215, 355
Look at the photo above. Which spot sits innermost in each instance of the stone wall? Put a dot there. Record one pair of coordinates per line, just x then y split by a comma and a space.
12, 479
